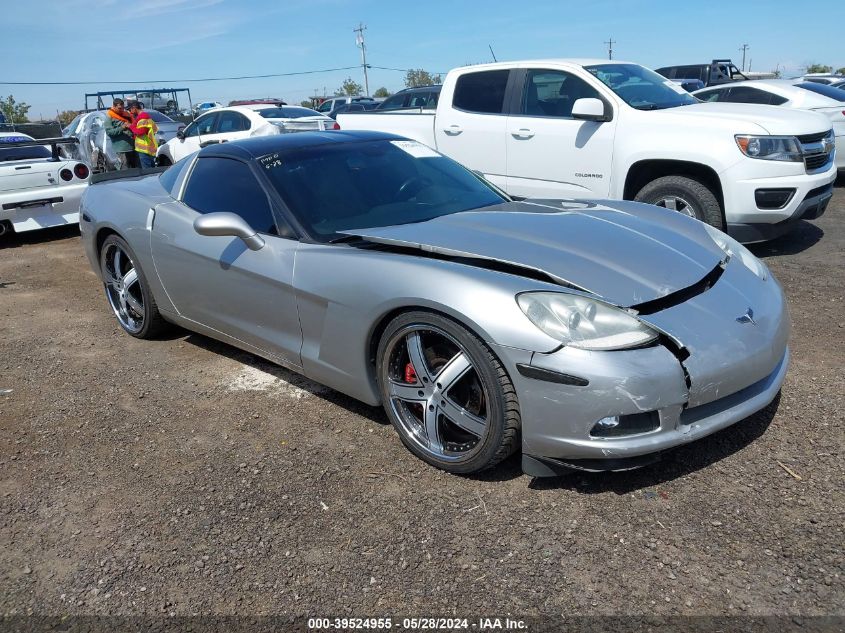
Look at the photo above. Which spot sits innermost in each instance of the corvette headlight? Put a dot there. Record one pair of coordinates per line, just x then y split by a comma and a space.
734, 249
584, 323
783, 148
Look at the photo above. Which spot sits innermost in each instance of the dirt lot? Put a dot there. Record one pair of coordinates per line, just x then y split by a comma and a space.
182, 476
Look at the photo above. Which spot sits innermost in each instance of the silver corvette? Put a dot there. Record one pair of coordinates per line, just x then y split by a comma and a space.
589, 335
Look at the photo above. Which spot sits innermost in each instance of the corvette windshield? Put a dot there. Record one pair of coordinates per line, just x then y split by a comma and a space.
347, 186
640, 87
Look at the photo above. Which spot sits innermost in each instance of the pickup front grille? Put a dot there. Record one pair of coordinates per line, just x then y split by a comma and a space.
816, 161
818, 150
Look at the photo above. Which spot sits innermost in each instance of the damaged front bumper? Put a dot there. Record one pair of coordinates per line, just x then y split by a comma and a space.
618, 410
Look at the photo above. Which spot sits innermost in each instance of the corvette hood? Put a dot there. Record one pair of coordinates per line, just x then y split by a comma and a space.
625, 252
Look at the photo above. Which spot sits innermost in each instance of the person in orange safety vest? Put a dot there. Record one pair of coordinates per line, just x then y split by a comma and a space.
144, 129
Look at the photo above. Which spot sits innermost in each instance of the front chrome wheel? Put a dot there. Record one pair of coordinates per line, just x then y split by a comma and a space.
436, 392
123, 287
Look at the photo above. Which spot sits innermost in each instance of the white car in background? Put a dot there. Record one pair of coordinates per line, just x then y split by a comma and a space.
788, 93
824, 78
38, 187
238, 122
205, 106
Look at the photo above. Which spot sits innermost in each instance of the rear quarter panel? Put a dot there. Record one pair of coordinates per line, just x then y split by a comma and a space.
125, 207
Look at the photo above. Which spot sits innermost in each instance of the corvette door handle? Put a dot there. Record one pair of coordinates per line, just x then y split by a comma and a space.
522, 132
453, 130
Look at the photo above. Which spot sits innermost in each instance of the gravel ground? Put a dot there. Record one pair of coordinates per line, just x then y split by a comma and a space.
183, 476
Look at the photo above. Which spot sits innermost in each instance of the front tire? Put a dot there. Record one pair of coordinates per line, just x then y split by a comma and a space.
448, 396
127, 290
163, 161
685, 195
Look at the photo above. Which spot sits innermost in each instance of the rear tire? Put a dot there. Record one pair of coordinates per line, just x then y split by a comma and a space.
448, 396
128, 291
163, 161
685, 195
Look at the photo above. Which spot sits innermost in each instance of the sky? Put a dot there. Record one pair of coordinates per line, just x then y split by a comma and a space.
164, 42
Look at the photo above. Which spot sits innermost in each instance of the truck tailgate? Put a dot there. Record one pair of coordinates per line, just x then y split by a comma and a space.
415, 124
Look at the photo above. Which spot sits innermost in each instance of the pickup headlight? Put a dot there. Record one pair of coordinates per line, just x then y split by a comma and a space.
783, 148
584, 323
733, 248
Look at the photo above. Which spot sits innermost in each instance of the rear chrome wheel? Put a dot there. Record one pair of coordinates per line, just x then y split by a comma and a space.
127, 290
447, 395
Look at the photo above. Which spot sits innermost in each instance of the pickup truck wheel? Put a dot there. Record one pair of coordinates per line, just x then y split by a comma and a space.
684, 195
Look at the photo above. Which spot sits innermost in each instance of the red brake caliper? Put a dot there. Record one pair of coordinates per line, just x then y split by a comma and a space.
410, 374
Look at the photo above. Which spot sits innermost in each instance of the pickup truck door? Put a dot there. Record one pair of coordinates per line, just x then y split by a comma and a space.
217, 281
550, 154
471, 129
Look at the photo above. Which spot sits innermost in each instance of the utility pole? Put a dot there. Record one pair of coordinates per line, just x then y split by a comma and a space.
610, 44
743, 49
359, 40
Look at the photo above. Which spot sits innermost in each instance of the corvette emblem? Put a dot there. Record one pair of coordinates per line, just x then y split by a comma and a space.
748, 317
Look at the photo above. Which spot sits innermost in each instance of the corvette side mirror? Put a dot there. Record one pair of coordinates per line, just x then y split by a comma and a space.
216, 224
180, 134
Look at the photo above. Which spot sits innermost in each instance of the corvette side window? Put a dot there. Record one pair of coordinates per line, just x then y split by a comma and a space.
224, 184
168, 179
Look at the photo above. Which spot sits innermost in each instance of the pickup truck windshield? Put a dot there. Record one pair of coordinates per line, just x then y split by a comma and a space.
640, 87
347, 186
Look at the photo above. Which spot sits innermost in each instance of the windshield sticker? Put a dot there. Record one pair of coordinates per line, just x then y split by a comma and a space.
270, 161
417, 150
679, 89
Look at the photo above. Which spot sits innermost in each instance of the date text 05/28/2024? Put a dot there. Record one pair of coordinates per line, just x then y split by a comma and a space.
418, 624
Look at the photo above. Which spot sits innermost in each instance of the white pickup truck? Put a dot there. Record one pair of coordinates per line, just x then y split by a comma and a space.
607, 129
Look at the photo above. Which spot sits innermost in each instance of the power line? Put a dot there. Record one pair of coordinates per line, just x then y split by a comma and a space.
404, 70
163, 81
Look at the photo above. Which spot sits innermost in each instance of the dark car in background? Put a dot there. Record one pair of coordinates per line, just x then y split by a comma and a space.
719, 71
359, 106
330, 106
424, 97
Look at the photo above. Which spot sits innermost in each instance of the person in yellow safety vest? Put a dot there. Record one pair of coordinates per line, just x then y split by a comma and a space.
144, 129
